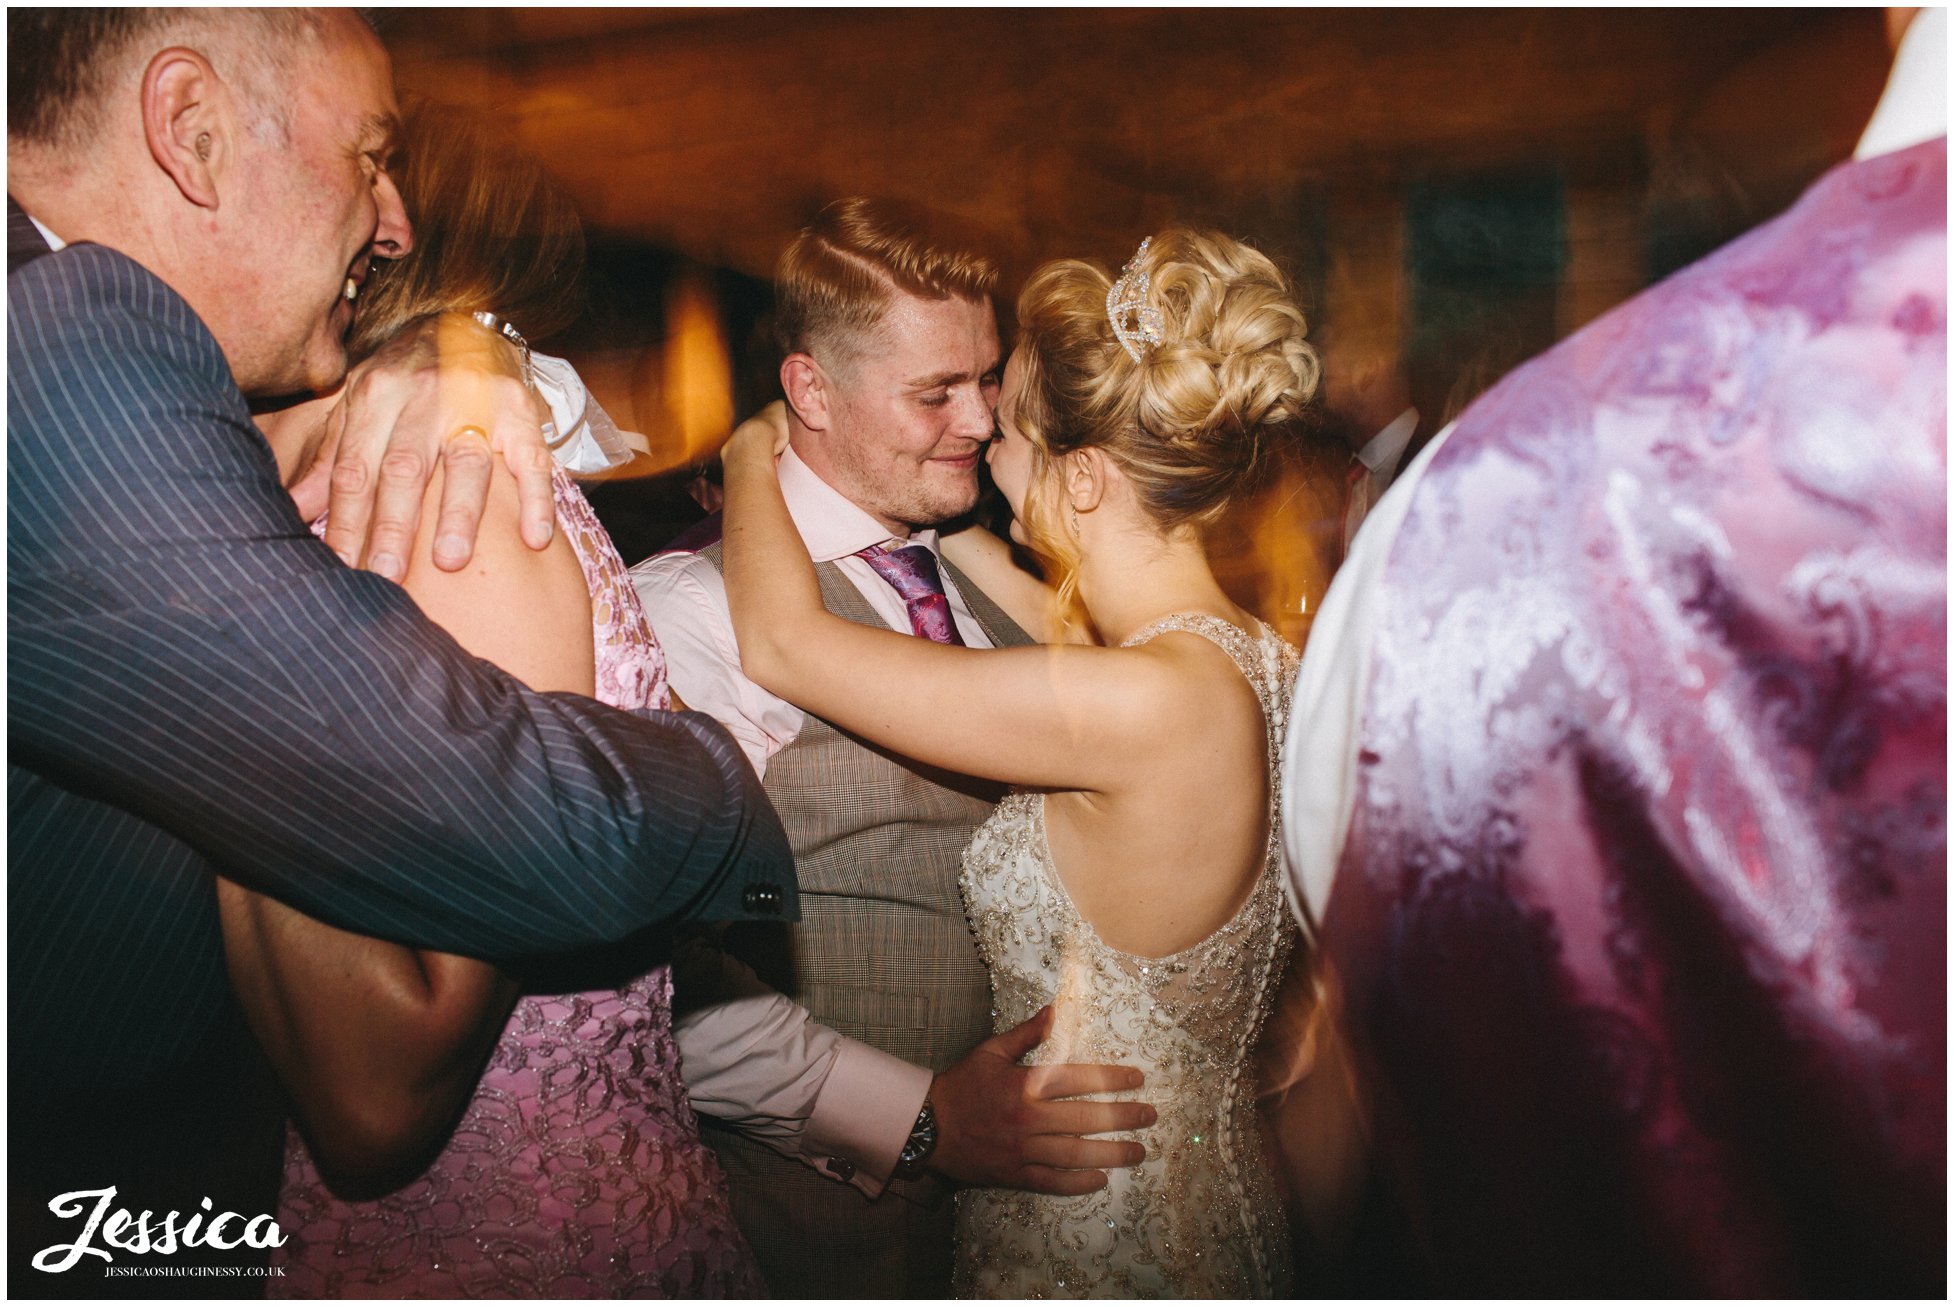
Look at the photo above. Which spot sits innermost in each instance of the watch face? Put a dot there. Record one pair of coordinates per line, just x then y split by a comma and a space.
922, 1142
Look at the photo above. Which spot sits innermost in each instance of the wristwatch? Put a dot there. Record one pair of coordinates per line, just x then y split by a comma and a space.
502, 327
915, 1154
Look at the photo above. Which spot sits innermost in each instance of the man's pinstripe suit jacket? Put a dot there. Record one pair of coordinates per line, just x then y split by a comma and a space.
196, 683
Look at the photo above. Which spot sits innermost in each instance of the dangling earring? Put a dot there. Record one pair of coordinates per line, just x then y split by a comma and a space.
1075, 521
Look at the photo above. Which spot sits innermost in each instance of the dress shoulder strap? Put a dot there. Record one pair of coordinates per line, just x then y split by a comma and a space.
1223, 632
1266, 661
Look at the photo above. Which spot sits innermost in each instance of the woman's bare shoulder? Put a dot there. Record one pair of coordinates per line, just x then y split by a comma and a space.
525, 610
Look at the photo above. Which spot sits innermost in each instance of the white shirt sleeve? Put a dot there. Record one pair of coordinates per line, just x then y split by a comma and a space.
1913, 108
753, 1057
685, 600
758, 1061
1319, 755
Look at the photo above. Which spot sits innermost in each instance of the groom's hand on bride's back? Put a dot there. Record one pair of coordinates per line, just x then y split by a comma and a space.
1007, 1126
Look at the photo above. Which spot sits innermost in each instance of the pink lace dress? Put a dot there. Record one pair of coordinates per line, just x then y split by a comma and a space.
576, 1171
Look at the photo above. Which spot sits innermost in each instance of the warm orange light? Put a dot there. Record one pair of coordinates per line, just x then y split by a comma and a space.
698, 373
1270, 557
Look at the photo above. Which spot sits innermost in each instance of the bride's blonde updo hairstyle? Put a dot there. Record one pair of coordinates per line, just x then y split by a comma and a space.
1197, 417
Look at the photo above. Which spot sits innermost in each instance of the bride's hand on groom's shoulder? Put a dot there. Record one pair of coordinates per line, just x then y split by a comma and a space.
759, 440
1001, 1125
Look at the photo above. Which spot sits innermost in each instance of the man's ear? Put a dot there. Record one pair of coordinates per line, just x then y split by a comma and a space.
186, 122
806, 388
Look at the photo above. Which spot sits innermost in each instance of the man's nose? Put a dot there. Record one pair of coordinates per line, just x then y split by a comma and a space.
393, 237
973, 417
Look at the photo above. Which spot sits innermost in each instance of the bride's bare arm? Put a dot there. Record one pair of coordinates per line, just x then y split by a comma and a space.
1068, 716
987, 561
380, 1045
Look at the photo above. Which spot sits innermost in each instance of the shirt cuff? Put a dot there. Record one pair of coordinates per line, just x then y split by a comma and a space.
864, 1114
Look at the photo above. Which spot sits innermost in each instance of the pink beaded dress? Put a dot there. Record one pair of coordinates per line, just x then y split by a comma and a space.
576, 1171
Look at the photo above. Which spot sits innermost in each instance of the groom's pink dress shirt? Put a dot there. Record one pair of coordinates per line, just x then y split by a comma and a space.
753, 1057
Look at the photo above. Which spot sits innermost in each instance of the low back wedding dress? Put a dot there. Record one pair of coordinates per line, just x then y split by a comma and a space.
1201, 1217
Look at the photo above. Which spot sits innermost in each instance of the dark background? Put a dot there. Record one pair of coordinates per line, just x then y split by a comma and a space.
1453, 190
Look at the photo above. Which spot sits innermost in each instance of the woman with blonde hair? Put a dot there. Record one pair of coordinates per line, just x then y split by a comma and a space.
446, 1147
1132, 880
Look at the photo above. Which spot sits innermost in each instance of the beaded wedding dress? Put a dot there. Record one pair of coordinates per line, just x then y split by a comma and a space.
1201, 1216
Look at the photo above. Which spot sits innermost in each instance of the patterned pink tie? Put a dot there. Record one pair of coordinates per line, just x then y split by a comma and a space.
912, 571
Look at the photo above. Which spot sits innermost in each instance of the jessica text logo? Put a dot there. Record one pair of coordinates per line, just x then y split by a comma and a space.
135, 1234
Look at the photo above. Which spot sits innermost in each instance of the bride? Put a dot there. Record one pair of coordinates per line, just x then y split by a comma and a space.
1131, 881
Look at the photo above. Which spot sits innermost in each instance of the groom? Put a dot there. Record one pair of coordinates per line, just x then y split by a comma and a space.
862, 1052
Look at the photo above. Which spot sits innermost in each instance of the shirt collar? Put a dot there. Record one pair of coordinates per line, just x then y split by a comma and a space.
1381, 453
53, 242
832, 525
1914, 106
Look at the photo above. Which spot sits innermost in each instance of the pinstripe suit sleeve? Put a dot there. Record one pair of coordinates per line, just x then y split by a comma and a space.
180, 647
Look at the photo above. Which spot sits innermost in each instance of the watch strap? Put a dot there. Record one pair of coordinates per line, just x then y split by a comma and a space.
507, 330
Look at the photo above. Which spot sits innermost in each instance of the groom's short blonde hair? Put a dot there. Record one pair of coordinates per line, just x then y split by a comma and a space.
836, 279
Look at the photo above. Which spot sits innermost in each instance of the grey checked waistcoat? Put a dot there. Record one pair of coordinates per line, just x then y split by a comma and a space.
881, 953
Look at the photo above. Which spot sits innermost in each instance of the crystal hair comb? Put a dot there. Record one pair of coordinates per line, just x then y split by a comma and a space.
1137, 326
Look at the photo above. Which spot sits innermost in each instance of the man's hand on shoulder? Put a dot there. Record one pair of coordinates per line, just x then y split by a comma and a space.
1007, 1126
445, 392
